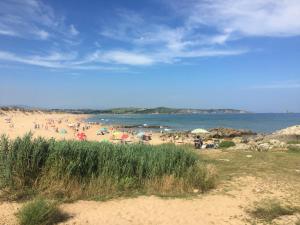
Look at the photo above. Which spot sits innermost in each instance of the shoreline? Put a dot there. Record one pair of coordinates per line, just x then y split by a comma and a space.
61, 126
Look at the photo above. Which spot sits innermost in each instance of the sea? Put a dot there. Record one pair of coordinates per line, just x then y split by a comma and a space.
257, 122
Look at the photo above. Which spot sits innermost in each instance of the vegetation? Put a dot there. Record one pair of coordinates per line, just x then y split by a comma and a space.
270, 209
294, 142
129, 110
40, 212
226, 144
294, 149
76, 169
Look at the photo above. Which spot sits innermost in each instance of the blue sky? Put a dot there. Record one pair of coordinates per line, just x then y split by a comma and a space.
195, 53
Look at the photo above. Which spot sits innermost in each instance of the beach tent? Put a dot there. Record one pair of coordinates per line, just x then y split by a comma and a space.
81, 136
199, 131
63, 131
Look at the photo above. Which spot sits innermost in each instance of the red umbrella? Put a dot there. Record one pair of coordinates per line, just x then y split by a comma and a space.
81, 136
124, 136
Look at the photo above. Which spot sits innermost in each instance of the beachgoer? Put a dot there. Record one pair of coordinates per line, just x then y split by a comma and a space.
198, 142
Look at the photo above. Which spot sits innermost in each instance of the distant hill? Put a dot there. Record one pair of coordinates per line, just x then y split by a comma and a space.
132, 110
158, 110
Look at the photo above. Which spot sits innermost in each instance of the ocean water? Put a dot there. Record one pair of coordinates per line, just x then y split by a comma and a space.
259, 122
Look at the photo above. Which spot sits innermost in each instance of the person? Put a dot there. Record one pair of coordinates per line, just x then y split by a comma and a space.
198, 142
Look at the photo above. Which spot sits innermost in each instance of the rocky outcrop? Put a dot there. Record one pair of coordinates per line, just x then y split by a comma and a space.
294, 130
229, 133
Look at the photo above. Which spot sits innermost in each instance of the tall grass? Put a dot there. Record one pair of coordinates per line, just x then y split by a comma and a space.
87, 169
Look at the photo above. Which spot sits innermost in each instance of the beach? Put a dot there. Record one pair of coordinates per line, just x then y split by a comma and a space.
257, 167
16, 123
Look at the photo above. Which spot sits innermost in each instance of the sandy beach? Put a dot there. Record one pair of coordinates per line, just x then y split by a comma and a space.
229, 203
15, 123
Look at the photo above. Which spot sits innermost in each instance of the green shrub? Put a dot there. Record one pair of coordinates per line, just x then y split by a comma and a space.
40, 212
293, 142
294, 149
226, 144
269, 209
87, 169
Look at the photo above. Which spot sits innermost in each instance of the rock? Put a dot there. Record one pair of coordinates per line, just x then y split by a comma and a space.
196, 190
229, 133
293, 130
225, 160
237, 140
264, 147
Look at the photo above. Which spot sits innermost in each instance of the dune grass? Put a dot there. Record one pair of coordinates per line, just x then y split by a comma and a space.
40, 212
73, 169
294, 149
270, 209
226, 144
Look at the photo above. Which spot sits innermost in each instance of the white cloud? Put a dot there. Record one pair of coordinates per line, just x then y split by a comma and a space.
274, 18
128, 58
289, 84
73, 30
33, 19
56, 60
42, 34
157, 42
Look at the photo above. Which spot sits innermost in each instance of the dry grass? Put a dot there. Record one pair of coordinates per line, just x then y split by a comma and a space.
270, 209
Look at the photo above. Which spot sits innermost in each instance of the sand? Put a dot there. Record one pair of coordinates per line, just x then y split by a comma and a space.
216, 207
17, 123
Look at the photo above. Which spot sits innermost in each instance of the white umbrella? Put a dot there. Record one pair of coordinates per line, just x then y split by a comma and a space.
199, 131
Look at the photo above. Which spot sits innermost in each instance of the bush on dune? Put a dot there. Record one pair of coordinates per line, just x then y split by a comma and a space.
40, 212
226, 144
76, 169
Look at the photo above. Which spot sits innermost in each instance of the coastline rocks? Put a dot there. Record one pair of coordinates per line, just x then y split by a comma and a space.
260, 146
288, 134
145, 126
229, 133
293, 130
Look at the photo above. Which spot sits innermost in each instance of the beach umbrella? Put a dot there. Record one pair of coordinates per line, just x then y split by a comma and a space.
81, 136
102, 130
116, 133
63, 131
140, 134
199, 131
124, 136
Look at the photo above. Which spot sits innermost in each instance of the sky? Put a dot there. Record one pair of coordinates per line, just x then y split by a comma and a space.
146, 53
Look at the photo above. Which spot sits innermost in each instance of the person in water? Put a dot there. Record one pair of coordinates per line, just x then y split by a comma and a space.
198, 142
